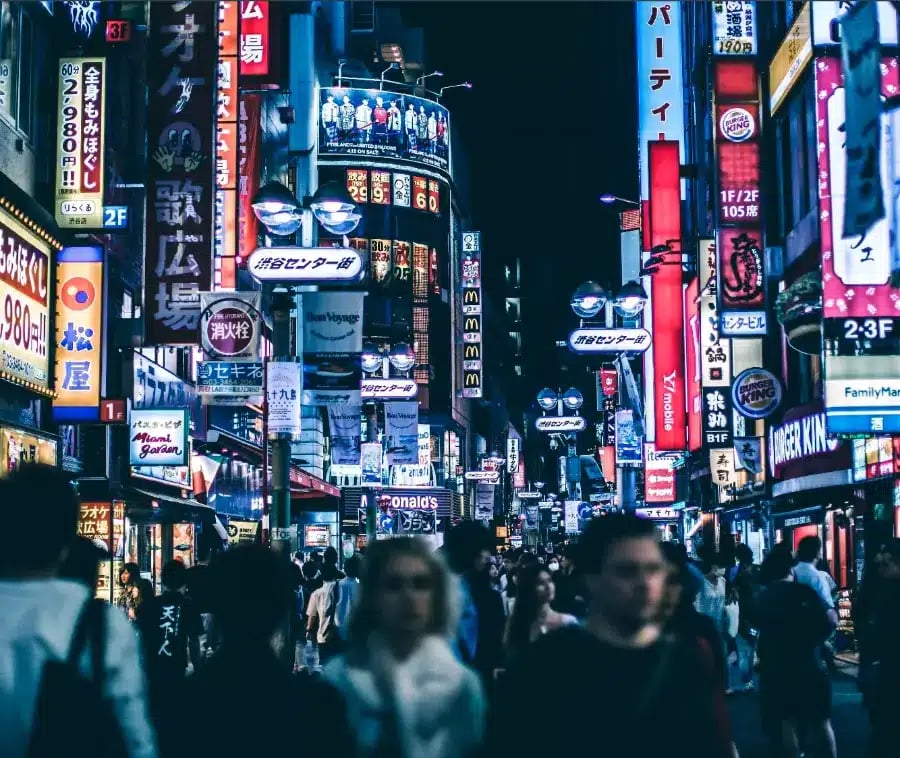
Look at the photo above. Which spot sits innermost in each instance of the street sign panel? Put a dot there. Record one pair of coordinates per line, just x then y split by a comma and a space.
315, 265
560, 424
388, 389
485, 477
590, 340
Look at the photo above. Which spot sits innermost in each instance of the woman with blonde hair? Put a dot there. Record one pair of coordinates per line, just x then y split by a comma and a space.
406, 693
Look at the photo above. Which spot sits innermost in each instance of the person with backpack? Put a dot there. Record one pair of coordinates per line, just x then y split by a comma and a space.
744, 584
71, 682
320, 615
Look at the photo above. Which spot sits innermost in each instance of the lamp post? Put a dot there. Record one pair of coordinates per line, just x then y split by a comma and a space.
465, 85
608, 199
283, 214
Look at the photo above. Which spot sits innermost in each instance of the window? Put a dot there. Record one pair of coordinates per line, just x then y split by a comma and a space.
16, 65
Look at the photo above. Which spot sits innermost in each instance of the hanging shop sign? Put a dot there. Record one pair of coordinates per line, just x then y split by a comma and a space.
249, 158
238, 377
79, 334
401, 432
159, 437
553, 424
80, 170
627, 441
241, 531
717, 413
388, 389
18, 446
181, 143
756, 393
230, 324
693, 376
471, 314
345, 433
25, 259
721, 465
791, 59
488, 477
255, 37
715, 350
748, 454
800, 445
284, 382
315, 265
512, 454
374, 187
592, 340
669, 403
227, 110
734, 28
659, 476
332, 347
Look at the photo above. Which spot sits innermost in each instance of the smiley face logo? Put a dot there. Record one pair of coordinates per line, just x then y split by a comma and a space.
77, 293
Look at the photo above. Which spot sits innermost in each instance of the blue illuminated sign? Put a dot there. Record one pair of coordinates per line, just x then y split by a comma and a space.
115, 216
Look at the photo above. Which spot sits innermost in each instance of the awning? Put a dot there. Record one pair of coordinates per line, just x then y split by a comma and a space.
840, 478
153, 506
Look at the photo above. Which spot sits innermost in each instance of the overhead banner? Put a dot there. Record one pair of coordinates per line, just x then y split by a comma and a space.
627, 441
484, 501
332, 346
230, 324
860, 58
734, 28
375, 124
181, 141
401, 431
159, 437
371, 456
471, 314
861, 328
80, 168
345, 427
741, 284
667, 297
79, 334
25, 328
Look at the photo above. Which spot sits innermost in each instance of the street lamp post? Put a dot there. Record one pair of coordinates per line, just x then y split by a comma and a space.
283, 214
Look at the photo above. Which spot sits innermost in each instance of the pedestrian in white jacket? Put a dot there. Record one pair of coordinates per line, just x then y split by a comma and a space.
407, 694
40, 615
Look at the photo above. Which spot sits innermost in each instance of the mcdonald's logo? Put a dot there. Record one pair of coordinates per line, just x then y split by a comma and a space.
472, 352
473, 379
472, 324
471, 297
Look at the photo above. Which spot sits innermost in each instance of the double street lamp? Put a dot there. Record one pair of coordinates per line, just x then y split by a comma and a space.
590, 298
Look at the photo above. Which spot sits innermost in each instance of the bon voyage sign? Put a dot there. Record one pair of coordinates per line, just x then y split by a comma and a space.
159, 437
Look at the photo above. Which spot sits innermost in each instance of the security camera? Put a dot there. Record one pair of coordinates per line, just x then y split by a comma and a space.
554, 443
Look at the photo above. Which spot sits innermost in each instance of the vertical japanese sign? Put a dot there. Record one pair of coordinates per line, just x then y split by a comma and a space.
248, 173
715, 356
741, 285
255, 38
692, 363
79, 334
80, 146
471, 314
227, 109
669, 405
734, 28
181, 121
860, 317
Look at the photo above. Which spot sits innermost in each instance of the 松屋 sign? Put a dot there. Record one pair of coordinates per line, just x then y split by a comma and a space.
80, 143
306, 264
159, 437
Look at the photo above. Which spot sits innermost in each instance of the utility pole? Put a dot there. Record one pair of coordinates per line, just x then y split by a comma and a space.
280, 445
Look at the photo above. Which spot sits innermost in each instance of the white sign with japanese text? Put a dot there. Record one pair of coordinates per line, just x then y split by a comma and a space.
553, 424
591, 340
734, 28
80, 146
306, 264
159, 437
660, 86
715, 350
388, 389
284, 381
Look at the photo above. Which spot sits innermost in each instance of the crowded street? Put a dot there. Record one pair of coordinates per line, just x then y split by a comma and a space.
406, 379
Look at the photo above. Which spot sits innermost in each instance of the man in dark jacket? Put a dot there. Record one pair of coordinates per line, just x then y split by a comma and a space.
571, 588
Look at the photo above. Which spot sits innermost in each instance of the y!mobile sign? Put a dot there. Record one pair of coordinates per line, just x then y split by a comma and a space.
80, 147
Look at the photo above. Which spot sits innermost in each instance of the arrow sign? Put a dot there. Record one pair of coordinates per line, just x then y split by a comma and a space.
560, 424
316, 265
609, 340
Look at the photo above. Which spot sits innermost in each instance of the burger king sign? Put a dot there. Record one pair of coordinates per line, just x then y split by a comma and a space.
737, 125
756, 393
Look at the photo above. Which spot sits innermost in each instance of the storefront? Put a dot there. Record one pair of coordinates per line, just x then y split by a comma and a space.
667, 520
19, 445
745, 525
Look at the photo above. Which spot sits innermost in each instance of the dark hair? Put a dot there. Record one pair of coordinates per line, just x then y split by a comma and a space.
250, 593
36, 488
524, 612
743, 553
351, 566
174, 575
330, 557
145, 591
777, 564
310, 569
134, 571
601, 534
808, 549
82, 562
463, 543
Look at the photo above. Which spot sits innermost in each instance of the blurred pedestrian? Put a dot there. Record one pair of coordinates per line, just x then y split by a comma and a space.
660, 695
467, 548
407, 694
251, 600
70, 678
82, 562
571, 590
320, 615
128, 576
533, 615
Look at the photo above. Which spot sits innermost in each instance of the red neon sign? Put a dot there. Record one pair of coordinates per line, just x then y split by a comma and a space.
255, 39
694, 394
666, 290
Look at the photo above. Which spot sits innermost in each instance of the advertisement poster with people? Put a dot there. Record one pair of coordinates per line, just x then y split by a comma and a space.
384, 125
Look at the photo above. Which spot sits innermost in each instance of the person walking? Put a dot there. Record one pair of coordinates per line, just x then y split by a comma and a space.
70, 677
806, 571
711, 601
744, 583
571, 592
467, 548
660, 694
407, 694
348, 590
251, 596
795, 691
128, 576
320, 615
533, 615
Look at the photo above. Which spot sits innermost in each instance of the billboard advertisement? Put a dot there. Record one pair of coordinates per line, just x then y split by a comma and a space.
79, 334
80, 148
18, 446
861, 324
659, 476
24, 303
181, 144
741, 284
332, 344
471, 314
384, 125
666, 290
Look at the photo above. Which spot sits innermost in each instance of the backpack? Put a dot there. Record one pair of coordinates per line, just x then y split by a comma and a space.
72, 713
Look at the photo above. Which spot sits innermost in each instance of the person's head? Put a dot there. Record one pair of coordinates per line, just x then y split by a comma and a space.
889, 563
777, 566
310, 569
250, 595
743, 554
508, 562
467, 547
714, 566
624, 569
493, 571
174, 575
129, 574
143, 591
316, 557
808, 549
527, 559
352, 567
36, 490
681, 585
330, 573
536, 587
82, 562
553, 564
405, 593
567, 559
331, 557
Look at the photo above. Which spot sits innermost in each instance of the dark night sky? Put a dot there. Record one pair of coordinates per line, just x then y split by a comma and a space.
550, 125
